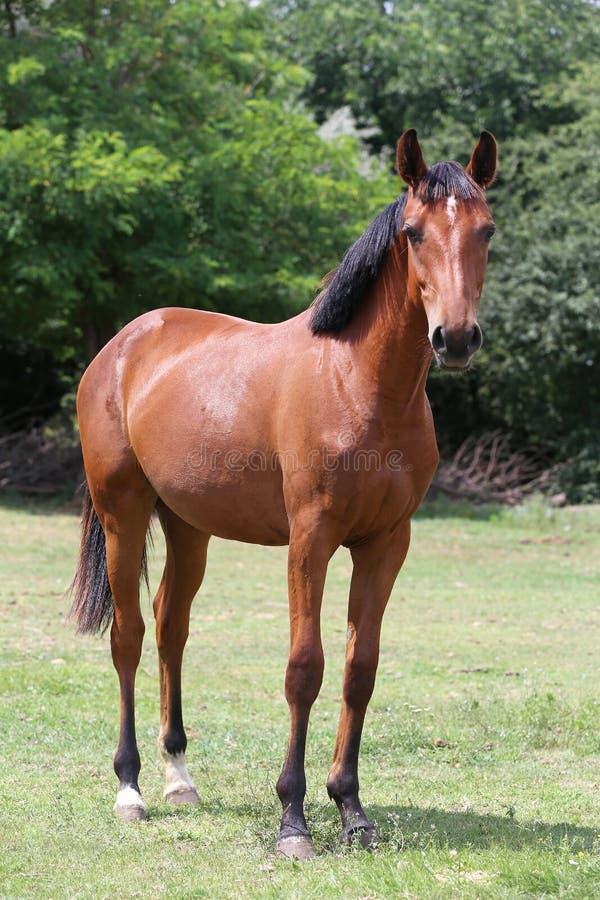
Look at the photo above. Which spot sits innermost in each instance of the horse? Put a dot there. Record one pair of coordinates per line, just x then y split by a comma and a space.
314, 432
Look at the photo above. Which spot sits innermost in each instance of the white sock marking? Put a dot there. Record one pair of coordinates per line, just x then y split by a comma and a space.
177, 776
128, 797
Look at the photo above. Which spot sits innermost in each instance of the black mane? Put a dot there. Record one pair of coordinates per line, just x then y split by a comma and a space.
335, 306
447, 179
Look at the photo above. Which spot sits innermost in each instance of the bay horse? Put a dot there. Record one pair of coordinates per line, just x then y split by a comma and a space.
314, 432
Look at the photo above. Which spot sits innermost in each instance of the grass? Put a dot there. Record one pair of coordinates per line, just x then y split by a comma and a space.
481, 755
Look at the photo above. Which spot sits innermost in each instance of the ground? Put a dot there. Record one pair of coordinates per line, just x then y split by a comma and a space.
481, 754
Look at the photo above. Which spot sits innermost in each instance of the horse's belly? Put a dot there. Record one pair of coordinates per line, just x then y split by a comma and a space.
242, 505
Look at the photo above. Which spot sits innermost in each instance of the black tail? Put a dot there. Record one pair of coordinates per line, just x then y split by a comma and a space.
92, 605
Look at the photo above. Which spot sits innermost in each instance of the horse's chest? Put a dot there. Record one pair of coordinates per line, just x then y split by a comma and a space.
388, 488
373, 484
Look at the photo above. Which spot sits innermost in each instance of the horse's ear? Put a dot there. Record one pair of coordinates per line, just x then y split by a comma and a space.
482, 167
409, 159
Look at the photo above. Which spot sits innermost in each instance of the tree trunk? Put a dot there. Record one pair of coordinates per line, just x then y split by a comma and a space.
12, 20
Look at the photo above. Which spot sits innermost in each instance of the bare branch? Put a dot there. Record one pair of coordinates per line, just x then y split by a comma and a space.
488, 469
39, 461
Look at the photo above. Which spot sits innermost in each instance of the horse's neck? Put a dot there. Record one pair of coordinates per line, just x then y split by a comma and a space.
390, 337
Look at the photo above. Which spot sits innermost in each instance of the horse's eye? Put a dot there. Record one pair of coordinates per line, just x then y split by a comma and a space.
489, 233
412, 234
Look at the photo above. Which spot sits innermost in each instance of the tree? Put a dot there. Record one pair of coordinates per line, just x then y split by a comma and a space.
545, 323
148, 159
540, 314
401, 64
156, 152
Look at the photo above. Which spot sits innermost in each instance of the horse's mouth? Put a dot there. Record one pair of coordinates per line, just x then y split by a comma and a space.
456, 366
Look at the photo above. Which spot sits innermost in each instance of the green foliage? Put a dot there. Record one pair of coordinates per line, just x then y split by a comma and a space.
280, 202
79, 222
546, 322
156, 153
153, 155
402, 64
537, 375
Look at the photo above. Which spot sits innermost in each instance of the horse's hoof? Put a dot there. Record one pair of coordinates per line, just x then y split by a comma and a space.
130, 813
365, 835
129, 806
296, 846
179, 798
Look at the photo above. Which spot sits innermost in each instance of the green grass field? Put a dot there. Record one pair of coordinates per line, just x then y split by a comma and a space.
481, 754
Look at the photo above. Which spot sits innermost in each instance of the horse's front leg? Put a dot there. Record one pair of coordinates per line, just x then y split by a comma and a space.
376, 565
309, 554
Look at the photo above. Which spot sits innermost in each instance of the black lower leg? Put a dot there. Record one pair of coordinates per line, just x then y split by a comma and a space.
294, 840
355, 824
173, 739
343, 787
291, 790
127, 762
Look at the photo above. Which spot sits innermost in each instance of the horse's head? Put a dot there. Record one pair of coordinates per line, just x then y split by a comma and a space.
448, 226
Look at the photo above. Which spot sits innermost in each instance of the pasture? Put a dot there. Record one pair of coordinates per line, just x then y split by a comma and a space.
481, 753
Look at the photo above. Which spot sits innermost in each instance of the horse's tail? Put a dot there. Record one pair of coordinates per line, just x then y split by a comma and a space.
92, 605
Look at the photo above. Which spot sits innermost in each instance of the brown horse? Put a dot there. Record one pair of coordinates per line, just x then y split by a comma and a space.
315, 432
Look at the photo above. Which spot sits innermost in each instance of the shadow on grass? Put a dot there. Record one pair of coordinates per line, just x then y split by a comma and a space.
413, 827
404, 828
442, 507
64, 502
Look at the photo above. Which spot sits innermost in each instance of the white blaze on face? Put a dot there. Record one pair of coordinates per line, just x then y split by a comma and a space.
451, 209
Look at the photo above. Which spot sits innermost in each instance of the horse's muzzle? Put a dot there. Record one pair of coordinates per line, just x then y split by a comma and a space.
454, 348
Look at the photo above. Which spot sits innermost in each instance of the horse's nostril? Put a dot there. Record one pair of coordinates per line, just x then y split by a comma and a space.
438, 340
455, 345
475, 339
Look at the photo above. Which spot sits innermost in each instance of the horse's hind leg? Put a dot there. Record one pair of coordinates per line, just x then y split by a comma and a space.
184, 570
124, 506
376, 565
